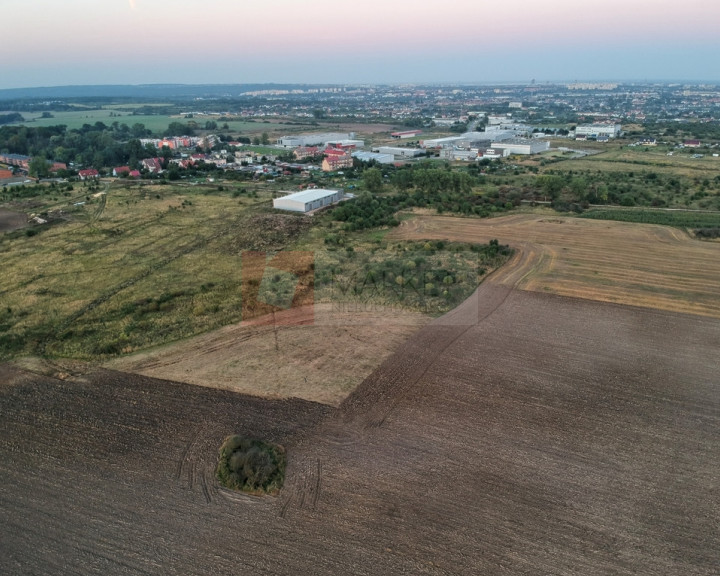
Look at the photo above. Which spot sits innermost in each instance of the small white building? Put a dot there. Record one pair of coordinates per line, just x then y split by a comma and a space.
308, 200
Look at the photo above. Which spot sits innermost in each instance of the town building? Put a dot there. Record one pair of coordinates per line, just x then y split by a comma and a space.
321, 139
18, 160
377, 157
406, 134
302, 152
119, 170
336, 162
308, 200
88, 174
153, 165
595, 130
454, 154
400, 152
522, 146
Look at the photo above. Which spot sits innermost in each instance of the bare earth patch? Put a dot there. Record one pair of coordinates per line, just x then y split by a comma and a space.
637, 264
320, 355
11, 220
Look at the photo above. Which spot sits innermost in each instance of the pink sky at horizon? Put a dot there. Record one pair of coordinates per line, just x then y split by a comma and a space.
140, 33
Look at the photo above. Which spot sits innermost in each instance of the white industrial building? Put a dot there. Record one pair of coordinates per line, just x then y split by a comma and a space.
452, 140
320, 139
346, 143
308, 200
400, 152
595, 130
379, 158
522, 146
453, 154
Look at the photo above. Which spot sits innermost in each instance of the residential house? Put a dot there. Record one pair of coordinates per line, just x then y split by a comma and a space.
153, 165
120, 170
88, 174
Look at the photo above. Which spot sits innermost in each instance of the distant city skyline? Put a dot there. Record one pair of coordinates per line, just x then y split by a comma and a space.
80, 42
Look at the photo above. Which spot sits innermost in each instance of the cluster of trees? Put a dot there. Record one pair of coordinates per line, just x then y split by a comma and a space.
367, 211
92, 145
641, 188
11, 118
422, 186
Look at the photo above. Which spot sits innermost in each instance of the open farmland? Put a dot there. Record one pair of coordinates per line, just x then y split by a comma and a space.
157, 123
301, 353
638, 264
522, 433
615, 158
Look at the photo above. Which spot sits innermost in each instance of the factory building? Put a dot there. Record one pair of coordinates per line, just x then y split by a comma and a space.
595, 130
522, 146
308, 200
450, 141
321, 139
400, 152
378, 157
453, 154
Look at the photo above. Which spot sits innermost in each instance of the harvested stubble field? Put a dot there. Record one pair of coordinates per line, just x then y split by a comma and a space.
522, 433
642, 265
319, 353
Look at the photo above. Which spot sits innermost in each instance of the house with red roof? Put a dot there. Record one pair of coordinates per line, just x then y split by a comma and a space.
153, 165
119, 170
302, 152
88, 174
334, 162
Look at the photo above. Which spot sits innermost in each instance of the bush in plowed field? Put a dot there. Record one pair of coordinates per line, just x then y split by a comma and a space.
251, 465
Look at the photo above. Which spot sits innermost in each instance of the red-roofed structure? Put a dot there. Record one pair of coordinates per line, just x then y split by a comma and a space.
153, 165
334, 152
88, 173
335, 162
119, 170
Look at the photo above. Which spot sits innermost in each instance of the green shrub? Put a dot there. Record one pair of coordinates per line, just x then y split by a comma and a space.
251, 465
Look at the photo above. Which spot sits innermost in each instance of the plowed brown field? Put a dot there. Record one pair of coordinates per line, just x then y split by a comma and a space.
639, 264
523, 433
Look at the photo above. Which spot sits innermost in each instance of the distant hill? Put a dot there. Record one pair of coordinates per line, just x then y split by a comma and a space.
150, 91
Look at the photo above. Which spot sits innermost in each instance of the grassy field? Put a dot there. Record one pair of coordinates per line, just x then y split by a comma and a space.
155, 274
623, 159
158, 264
156, 123
369, 296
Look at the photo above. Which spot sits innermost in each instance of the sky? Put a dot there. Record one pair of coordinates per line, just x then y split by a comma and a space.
75, 42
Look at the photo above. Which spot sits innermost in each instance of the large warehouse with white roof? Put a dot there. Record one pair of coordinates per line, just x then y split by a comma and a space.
308, 200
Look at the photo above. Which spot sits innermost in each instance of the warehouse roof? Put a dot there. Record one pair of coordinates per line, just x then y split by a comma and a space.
309, 195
